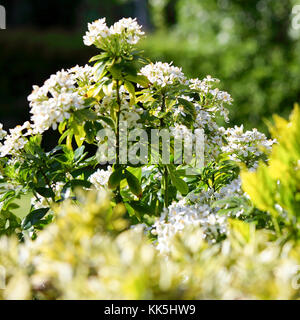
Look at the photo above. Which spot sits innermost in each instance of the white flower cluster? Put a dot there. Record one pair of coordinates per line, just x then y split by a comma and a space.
204, 85
211, 104
212, 141
163, 74
97, 30
54, 101
100, 178
206, 197
221, 96
129, 113
181, 215
129, 28
82, 74
99, 34
213, 138
234, 188
206, 120
195, 210
246, 146
212, 97
15, 140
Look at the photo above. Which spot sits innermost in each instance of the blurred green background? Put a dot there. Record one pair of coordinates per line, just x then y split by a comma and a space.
249, 45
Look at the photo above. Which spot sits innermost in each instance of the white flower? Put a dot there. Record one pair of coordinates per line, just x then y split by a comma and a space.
129, 28
245, 146
213, 98
180, 215
99, 34
85, 74
55, 100
203, 85
195, 210
206, 197
129, 113
163, 74
16, 140
100, 178
97, 31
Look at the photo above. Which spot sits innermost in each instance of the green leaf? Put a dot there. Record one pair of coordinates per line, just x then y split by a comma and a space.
79, 134
108, 121
131, 211
74, 184
54, 150
80, 183
177, 182
100, 70
78, 153
23, 201
33, 218
45, 192
63, 136
115, 178
85, 171
8, 223
188, 107
62, 127
142, 80
7, 195
137, 171
130, 88
85, 114
99, 57
140, 207
69, 140
91, 131
134, 184
116, 72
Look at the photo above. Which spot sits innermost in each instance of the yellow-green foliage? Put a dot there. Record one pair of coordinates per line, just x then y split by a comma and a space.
85, 254
275, 187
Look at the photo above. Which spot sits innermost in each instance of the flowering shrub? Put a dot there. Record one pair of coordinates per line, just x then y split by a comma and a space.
165, 208
89, 256
122, 86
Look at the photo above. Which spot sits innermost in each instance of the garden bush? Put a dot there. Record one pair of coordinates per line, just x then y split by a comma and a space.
147, 227
86, 254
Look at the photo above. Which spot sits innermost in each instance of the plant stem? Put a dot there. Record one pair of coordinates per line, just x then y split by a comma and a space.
166, 175
166, 195
118, 191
